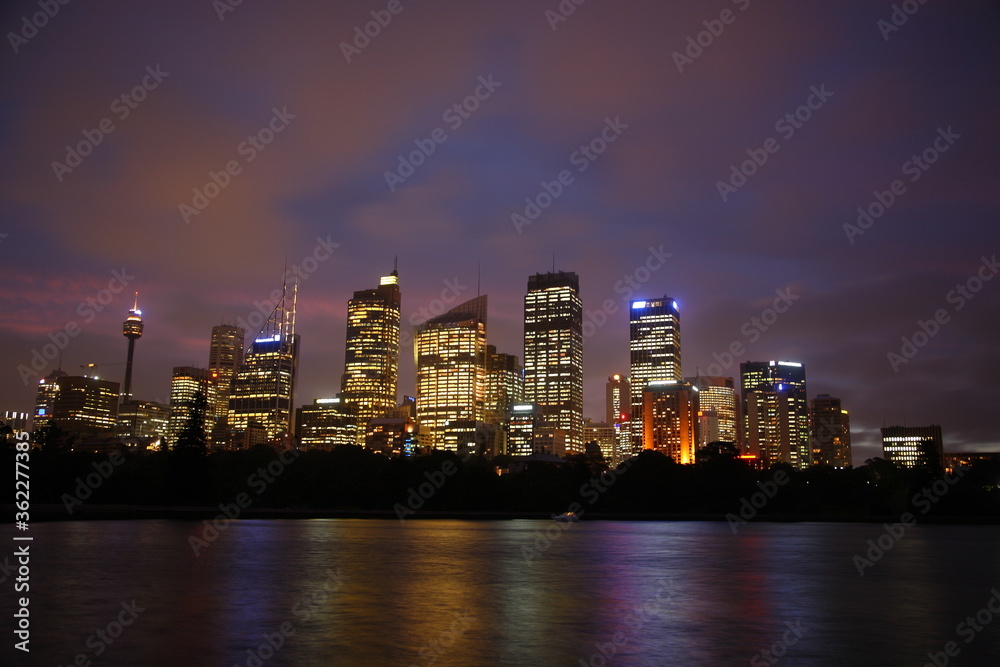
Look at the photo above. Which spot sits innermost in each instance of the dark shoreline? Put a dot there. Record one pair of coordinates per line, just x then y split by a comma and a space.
50, 512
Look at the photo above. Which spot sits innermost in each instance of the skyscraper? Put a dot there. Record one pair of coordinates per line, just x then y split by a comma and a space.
776, 413
504, 385
654, 351
371, 361
914, 447
85, 406
225, 356
553, 353
450, 355
185, 386
718, 411
263, 395
830, 431
131, 329
325, 425
670, 419
618, 408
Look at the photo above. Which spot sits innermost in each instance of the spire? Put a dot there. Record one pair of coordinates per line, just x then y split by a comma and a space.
395, 266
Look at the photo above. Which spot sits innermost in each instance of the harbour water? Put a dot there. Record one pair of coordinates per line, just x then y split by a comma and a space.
520, 592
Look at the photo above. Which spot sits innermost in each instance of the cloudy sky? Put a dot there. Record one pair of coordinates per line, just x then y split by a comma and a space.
715, 152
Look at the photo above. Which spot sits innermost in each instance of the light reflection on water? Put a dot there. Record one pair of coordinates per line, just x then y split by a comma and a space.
463, 593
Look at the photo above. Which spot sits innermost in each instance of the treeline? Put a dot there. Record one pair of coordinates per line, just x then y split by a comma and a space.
352, 478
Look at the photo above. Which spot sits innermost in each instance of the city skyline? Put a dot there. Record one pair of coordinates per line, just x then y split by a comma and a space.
609, 156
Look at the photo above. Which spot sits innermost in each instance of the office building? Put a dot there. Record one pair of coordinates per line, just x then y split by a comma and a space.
262, 403
450, 356
654, 351
914, 447
553, 353
718, 409
190, 386
504, 385
83, 406
371, 362
605, 436
325, 424
146, 421
776, 413
670, 419
225, 356
830, 431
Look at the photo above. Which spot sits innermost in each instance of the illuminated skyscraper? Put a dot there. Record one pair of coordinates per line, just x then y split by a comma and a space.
914, 447
776, 413
618, 406
85, 406
371, 364
654, 351
263, 395
553, 353
504, 385
225, 356
718, 412
185, 385
325, 425
670, 419
830, 430
450, 356
131, 329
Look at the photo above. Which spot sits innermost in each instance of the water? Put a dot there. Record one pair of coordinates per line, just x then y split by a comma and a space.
378, 592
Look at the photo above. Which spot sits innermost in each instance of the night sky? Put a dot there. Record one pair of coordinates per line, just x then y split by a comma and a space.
680, 117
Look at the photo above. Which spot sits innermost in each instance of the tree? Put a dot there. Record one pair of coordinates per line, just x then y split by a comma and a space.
192, 437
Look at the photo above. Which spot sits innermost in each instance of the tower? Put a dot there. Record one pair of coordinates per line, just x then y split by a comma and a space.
131, 329
718, 409
225, 356
670, 419
654, 353
553, 353
450, 356
775, 412
371, 359
830, 432
262, 403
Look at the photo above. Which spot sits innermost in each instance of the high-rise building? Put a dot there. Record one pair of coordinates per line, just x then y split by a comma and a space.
914, 446
670, 419
605, 435
776, 412
654, 351
325, 424
263, 394
450, 356
504, 385
131, 329
553, 353
225, 356
830, 431
143, 420
718, 411
618, 406
186, 385
85, 406
371, 363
